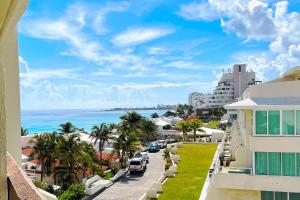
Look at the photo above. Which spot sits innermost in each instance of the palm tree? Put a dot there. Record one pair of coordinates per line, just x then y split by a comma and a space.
66, 128
69, 153
124, 144
24, 132
148, 130
40, 152
195, 124
101, 134
52, 140
184, 126
131, 120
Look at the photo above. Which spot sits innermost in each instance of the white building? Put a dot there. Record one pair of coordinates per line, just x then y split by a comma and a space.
230, 87
262, 148
196, 99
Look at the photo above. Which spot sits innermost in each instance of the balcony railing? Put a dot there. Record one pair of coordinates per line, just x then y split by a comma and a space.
236, 170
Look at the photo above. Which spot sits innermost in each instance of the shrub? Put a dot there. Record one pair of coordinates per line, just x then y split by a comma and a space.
74, 192
40, 185
114, 170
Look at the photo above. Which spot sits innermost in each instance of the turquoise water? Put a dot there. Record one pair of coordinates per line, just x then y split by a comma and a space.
39, 121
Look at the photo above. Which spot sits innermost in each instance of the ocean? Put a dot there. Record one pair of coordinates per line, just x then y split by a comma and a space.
39, 121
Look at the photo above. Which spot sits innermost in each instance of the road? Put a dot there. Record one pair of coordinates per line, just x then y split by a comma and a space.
132, 187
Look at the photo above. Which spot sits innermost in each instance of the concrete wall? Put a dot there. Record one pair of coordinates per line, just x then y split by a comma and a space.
3, 179
275, 144
270, 90
11, 11
229, 194
257, 182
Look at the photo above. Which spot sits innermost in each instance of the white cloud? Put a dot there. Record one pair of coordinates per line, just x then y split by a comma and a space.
156, 85
157, 51
198, 11
262, 20
135, 36
100, 15
183, 64
24, 68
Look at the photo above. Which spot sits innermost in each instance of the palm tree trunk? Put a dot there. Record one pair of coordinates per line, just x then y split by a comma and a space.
42, 172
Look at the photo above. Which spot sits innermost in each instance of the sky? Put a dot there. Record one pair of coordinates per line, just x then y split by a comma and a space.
140, 53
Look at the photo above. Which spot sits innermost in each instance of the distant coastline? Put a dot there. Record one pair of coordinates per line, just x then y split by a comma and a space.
128, 109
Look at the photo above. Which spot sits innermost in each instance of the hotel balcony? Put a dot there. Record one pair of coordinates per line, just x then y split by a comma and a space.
243, 179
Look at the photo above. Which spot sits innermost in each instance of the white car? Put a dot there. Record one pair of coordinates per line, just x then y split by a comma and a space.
137, 165
162, 144
143, 155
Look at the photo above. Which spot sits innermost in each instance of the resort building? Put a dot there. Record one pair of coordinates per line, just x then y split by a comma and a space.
14, 184
196, 99
230, 87
259, 159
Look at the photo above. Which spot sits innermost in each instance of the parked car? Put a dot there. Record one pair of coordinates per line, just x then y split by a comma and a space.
162, 144
137, 165
153, 147
143, 155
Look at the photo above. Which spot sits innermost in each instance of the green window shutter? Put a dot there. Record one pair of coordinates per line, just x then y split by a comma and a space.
288, 122
261, 163
274, 163
274, 122
288, 164
261, 122
267, 195
294, 196
298, 164
281, 196
298, 122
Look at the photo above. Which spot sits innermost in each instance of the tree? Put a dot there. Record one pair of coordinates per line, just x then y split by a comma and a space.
184, 126
154, 115
195, 124
24, 132
130, 120
40, 152
184, 110
148, 130
66, 128
124, 144
69, 154
101, 134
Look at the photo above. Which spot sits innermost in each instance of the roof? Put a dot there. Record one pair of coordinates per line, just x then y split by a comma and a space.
26, 151
253, 103
292, 74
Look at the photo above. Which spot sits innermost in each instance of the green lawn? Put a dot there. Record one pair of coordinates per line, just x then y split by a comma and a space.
192, 170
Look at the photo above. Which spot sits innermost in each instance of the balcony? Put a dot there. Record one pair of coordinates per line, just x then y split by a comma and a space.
243, 179
19, 185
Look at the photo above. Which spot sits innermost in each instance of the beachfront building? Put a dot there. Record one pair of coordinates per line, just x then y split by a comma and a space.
230, 87
261, 154
14, 184
196, 99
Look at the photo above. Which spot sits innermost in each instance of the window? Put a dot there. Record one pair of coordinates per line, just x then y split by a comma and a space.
288, 164
261, 164
298, 164
277, 164
294, 196
274, 163
274, 122
268, 195
288, 122
298, 122
261, 122
281, 196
